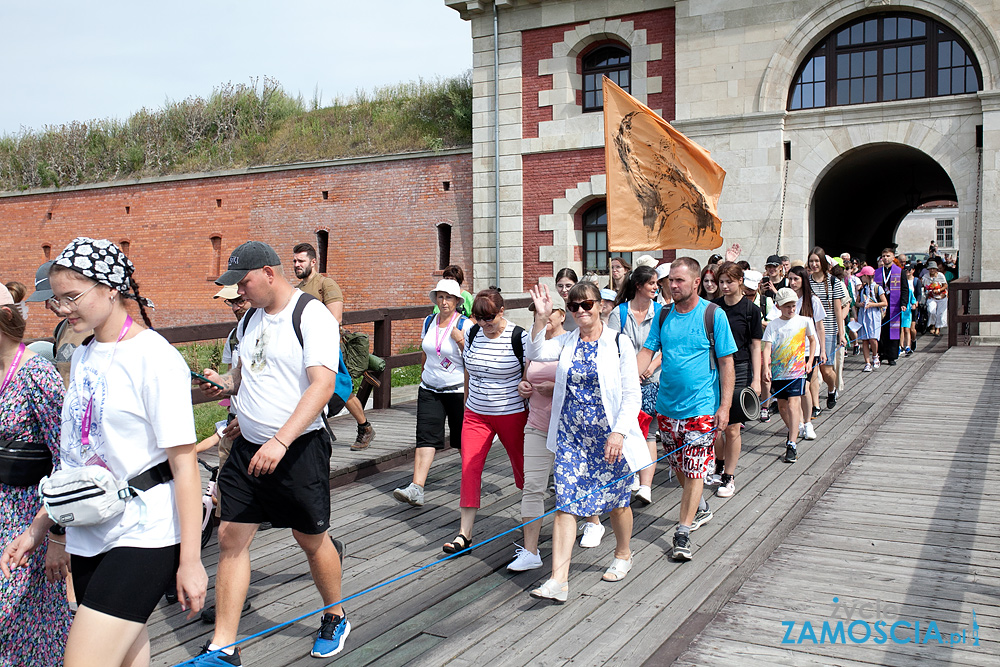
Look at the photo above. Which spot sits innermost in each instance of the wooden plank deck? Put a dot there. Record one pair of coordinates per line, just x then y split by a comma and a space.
910, 523
471, 611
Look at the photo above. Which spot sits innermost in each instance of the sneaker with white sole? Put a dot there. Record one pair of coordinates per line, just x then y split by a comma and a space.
210, 658
592, 534
411, 494
790, 454
713, 480
682, 547
643, 496
701, 517
867, 368
333, 631
524, 560
552, 590
635, 483
809, 433
765, 414
727, 488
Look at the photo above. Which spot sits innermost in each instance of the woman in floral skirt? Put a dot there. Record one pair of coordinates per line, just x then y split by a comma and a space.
33, 608
593, 431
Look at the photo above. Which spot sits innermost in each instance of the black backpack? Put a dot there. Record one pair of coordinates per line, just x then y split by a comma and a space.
709, 329
515, 342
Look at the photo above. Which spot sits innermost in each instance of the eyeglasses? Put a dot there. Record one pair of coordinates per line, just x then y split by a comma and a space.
70, 302
577, 305
235, 302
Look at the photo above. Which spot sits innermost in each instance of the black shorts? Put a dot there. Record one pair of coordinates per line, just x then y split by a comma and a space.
744, 375
335, 405
125, 582
433, 408
295, 495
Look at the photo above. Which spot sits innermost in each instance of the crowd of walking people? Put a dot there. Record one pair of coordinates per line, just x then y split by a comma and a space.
99, 486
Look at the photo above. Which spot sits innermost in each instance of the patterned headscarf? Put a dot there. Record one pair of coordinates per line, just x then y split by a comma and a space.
101, 260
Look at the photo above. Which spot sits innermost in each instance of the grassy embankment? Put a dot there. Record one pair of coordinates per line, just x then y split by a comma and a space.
239, 126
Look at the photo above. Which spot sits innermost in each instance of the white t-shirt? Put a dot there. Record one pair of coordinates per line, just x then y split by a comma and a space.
494, 373
142, 405
273, 365
446, 369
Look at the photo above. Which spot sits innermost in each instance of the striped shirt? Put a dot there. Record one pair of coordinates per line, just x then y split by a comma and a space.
826, 292
494, 372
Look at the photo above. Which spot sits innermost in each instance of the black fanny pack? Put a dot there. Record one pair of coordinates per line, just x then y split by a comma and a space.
24, 463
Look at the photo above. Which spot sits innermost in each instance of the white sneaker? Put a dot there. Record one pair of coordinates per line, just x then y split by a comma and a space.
592, 534
412, 494
802, 431
643, 496
809, 433
635, 484
713, 480
728, 489
524, 560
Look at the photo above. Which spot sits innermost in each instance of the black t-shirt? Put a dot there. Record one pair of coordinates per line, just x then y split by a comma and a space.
773, 292
745, 320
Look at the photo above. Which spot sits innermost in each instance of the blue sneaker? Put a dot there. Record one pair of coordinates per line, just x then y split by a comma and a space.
208, 658
333, 631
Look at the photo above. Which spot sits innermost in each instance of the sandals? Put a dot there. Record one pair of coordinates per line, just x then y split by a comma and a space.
460, 544
619, 568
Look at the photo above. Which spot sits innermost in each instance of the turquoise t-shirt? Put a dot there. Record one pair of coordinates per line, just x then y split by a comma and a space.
688, 386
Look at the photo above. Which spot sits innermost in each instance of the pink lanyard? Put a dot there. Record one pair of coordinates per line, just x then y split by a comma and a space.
88, 412
438, 337
9, 377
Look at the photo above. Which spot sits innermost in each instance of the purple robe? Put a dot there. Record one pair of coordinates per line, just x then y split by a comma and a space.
894, 292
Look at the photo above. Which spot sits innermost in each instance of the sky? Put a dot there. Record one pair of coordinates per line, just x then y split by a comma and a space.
80, 61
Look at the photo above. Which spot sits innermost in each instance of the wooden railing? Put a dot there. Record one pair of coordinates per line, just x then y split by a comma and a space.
959, 298
381, 318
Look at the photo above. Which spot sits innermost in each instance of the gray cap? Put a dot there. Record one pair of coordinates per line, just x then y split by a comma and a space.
43, 292
247, 257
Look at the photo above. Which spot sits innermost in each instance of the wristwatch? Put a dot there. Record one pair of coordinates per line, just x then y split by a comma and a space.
56, 529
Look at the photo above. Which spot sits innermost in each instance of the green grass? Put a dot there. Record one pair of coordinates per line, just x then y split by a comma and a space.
205, 416
407, 375
239, 126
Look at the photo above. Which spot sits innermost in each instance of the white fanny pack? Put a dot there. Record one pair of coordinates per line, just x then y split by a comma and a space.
91, 495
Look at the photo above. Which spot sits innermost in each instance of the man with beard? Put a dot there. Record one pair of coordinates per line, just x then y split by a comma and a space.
328, 291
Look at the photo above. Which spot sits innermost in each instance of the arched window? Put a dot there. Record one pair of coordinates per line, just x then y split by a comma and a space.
444, 245
885, 57
613, 62
215, 268
596, 257
322, 246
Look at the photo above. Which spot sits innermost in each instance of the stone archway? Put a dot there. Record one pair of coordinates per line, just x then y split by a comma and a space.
862, 198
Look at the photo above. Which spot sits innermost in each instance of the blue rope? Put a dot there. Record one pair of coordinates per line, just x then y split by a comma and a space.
285, 624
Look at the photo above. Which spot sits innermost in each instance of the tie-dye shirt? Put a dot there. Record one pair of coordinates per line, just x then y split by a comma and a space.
788, 346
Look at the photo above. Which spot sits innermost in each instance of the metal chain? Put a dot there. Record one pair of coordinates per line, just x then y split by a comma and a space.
976, 216
781, 217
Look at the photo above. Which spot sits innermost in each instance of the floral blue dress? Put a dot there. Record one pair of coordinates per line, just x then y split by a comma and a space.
580, 468
34, 614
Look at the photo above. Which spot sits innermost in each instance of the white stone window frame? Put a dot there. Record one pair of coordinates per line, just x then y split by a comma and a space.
570, 127
779, 77
562, 223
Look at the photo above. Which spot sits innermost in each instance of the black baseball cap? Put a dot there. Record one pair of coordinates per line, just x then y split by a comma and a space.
773, 260
247, 257
43, 292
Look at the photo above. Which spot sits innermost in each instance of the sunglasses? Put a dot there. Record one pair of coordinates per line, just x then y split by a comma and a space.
235, 302
577, 305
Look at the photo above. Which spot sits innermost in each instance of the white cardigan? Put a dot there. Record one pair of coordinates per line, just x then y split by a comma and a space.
618, 377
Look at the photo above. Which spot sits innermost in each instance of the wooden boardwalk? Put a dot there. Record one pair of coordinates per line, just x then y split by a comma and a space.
911, 523
471, 611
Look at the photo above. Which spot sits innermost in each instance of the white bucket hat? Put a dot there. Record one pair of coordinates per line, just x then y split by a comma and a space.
448, 286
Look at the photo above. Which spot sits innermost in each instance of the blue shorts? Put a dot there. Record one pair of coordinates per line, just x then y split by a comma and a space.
788, 388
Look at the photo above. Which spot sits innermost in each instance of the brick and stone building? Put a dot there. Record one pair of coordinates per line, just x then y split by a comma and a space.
832, 118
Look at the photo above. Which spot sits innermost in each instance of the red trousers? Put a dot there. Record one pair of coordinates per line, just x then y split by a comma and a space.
478, 432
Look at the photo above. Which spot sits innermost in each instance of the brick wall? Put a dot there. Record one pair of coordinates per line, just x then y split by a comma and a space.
547, 176
381, 216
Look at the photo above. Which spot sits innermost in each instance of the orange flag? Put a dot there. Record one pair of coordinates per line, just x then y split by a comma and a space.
663, 189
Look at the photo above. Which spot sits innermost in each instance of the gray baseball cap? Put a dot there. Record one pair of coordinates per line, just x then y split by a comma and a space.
247, 257
43, 292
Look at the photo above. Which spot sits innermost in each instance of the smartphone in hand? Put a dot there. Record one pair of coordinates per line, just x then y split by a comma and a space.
199, 376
